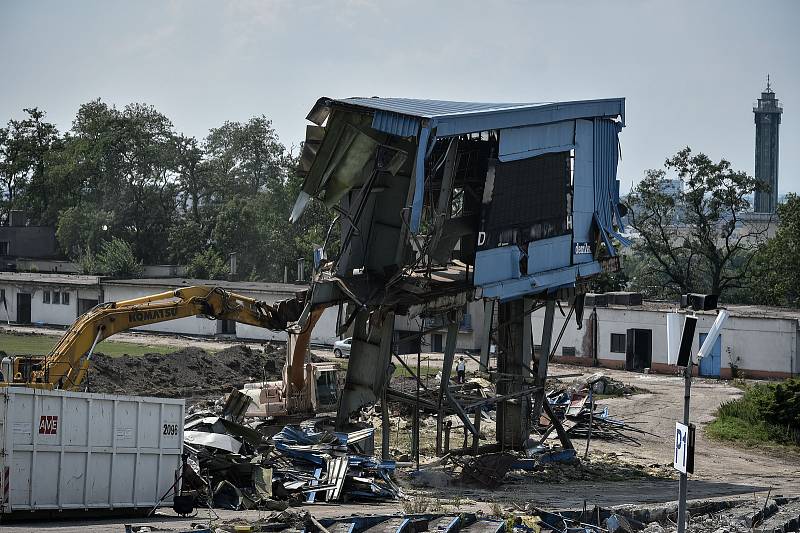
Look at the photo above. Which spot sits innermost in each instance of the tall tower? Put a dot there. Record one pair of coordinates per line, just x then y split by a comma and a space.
768, 117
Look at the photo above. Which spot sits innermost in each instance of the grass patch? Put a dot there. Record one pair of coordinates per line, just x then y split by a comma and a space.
42, 344
766, 414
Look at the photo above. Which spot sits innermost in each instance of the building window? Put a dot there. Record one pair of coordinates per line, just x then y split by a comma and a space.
618, 342
56, 297
45, 297
3, 247
65, 298
2, 296
568, 351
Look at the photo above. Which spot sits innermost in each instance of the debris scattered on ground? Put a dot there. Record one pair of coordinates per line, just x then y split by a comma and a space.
234, 465
581, 416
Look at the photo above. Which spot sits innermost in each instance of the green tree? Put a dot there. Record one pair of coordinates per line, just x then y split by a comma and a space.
25, 146
125, 161
696, 240
245, 158
775, 276
117, 259
208, 264
81, 228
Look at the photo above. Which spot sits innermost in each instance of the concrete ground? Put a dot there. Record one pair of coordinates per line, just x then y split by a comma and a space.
721, 470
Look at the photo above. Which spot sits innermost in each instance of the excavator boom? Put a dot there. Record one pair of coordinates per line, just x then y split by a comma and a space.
66, 365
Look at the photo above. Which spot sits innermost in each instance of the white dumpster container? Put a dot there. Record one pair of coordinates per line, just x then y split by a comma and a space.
73, 450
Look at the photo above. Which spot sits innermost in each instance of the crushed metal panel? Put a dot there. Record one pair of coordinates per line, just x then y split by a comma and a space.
336, 472
212, 440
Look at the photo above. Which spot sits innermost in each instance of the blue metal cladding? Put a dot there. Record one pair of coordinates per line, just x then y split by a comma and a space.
419, 180
606, 192
606, 157
395, 123
522, 143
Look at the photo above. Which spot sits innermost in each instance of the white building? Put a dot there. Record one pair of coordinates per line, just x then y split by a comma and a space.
58, 299
55, 299
758, 342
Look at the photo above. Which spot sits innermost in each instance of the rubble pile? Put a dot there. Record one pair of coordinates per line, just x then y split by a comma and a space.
188, 373
579, 414
776, 515
597, 467
234, 465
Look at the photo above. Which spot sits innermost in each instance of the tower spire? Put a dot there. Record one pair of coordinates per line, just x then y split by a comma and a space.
767, 82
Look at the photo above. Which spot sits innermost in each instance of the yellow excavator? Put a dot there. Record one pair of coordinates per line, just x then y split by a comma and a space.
66, 365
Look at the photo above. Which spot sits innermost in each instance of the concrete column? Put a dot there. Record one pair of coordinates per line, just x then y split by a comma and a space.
513, 414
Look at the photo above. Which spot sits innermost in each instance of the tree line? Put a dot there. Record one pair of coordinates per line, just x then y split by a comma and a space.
122, 187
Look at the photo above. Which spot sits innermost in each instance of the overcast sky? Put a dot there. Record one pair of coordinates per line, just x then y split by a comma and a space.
690, 70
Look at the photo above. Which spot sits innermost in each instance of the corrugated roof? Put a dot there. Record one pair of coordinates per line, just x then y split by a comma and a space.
173, 283
401, 116
433, 108
53, 279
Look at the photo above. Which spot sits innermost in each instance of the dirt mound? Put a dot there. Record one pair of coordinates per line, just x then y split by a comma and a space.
187, 373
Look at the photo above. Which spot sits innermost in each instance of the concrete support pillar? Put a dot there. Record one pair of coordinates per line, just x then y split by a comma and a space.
512, 415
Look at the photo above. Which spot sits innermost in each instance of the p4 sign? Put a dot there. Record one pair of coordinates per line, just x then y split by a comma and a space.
684, 448
48, 425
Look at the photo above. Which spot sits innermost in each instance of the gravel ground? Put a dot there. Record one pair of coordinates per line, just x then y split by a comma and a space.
721, 470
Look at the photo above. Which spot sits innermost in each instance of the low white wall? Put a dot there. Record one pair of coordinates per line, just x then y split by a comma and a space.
762, 344
51, 313
45, 313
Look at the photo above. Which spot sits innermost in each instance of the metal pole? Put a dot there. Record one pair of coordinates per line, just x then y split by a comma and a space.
544, 356
385, 429
684, 479
415, 421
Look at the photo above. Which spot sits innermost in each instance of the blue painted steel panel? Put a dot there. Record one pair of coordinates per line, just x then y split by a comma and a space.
540, 114
521, 143
419, 180
583, 180
547, 281
497, 264
606, 157
395, 123
549, 254
589, 269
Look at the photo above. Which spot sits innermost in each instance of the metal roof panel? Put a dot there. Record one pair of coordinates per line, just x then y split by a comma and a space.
398, 116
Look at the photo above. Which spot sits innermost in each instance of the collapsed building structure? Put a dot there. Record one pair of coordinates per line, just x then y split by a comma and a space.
441, 203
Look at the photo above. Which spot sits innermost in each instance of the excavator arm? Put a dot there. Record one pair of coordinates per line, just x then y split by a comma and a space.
66, 365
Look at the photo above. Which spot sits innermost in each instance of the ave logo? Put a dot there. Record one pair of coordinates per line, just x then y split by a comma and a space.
48, 425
